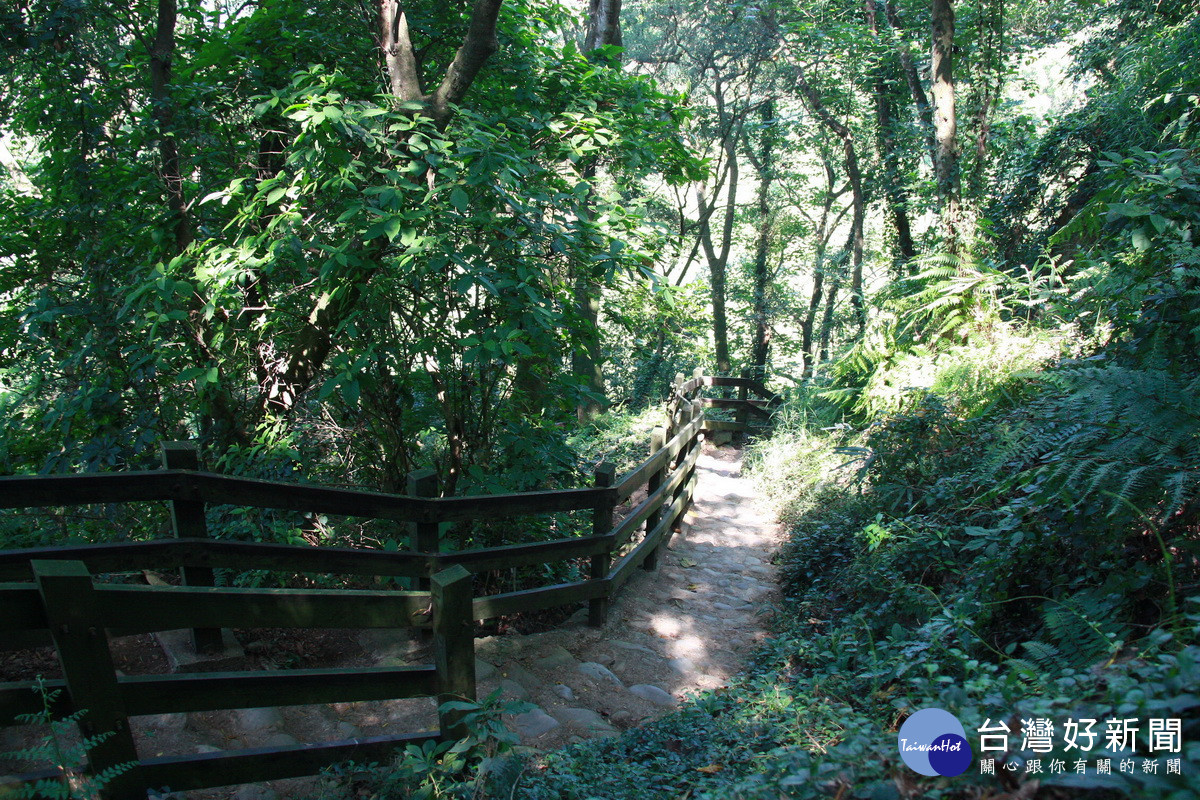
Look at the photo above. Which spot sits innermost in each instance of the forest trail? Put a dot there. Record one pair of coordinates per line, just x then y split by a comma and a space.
683, 628
680, 629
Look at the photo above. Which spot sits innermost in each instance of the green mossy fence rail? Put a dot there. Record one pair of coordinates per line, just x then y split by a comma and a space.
51, 597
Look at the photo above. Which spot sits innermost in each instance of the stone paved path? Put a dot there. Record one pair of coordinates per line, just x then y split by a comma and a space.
680, 629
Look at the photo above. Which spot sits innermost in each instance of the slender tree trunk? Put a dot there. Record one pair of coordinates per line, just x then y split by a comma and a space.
835, 282
718, 260
766, 174
587, 360
909, 69
163, 113
858, 200
885, 125
991, 80
808, 325
946, 166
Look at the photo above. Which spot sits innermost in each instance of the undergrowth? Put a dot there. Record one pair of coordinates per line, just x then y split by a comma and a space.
1025, 555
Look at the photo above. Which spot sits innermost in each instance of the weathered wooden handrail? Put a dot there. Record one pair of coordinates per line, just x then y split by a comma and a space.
65, 601
33, 614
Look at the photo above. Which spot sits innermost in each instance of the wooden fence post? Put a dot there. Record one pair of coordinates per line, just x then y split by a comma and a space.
658, 438
602, 524
187, 521
673, 406
72, 612
426, 536
454, 645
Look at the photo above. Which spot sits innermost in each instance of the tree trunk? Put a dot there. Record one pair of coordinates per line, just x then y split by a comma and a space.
766, 174
718, 260
163, 113
604, 25
835, 282
913, 79
808, 325
946, 167
991, 81
400, 59
885, 125
587, 361
858, 200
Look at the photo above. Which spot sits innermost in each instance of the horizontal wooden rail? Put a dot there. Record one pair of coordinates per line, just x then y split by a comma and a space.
33, 610
637, 477
36, 491
562, 594
117, 557
624, 567
626, 528
227, 768
163, 608
753, 406
522, 555
179, 694
724, 425
213, 489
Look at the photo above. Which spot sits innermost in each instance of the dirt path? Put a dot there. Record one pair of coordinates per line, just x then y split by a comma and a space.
680, 629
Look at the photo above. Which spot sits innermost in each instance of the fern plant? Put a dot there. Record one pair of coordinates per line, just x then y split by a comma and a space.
72, 782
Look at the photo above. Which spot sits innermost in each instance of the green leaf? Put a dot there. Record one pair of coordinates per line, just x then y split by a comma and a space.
389, 227
190, 374
276, 194
1141, 240
459, 199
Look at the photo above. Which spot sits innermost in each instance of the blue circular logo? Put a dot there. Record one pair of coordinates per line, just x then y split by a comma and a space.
933, 742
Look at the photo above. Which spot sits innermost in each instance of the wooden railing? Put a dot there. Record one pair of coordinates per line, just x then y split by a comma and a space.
59, 603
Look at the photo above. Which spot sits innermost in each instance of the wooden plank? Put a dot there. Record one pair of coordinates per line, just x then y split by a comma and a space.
38, 491
498, 605
305, 558
756, 406
99, 558
142, 609
686, 436
227, 768
213, 691
424, 536
375, 505
625, 566
76, 623
451, 509
188, 521
518, 555
454, 645
722, 425
651, 504
227, 490
631, 481
752, 385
